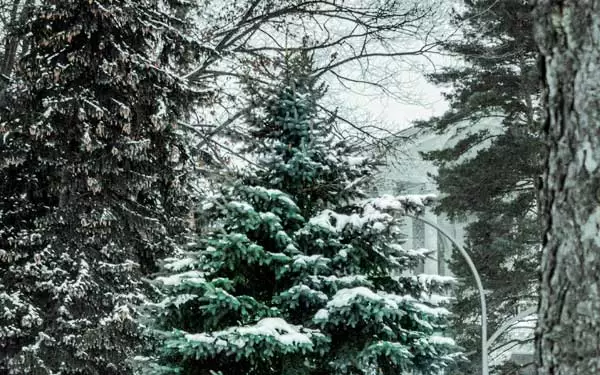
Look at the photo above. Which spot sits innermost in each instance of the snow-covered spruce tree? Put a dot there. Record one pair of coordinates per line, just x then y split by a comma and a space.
266, 291
221, 308
351, 245
294, 141
92, 180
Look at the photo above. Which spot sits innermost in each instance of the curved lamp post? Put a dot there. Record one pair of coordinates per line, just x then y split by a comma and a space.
465, 255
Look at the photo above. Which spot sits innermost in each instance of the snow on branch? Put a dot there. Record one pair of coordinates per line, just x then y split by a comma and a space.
401, 204
181, 278
374, 210
276, 328
430, 279
392, 303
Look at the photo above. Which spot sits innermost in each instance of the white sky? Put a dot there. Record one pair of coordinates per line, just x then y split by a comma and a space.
397, 113
414, 98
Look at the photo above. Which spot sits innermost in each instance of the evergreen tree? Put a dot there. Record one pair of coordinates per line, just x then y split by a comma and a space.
92, 180
488, 174
292, 139
297, 271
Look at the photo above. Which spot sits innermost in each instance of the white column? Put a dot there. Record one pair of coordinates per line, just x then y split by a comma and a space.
431, 236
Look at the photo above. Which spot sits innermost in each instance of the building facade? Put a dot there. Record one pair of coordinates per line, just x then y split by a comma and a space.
408, 173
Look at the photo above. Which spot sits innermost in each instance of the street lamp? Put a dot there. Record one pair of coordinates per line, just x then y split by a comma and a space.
467, 258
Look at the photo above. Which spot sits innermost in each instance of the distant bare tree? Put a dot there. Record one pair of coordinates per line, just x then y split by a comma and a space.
346, 38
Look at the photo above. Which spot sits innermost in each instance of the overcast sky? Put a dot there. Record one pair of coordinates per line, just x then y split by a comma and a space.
414, 97
426, 102
411, 96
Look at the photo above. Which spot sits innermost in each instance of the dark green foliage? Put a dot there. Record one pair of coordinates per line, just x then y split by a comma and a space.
296, 271
92, 180
232, 282
488, 174
293, 140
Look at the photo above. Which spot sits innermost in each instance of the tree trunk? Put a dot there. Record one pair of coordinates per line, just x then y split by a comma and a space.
568, 333
12, 44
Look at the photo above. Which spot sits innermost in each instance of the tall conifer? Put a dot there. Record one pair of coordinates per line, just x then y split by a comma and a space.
298, 271
488, 171
92, 180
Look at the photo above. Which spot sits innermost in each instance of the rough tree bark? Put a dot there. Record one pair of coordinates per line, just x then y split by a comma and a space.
568, 333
